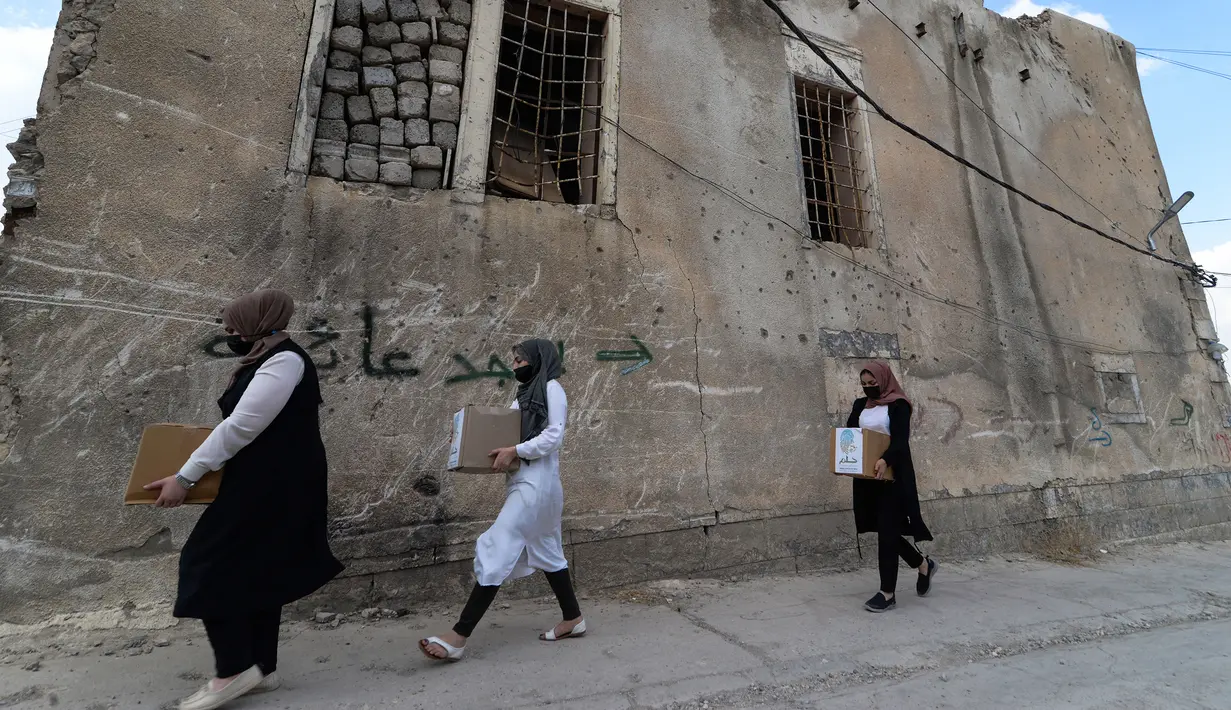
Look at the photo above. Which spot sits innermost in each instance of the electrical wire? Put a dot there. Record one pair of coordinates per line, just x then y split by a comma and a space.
1193, 67
1202, 52
1197, 272
1208, 221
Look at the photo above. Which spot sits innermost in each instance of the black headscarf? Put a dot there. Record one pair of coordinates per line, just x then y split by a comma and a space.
544, 361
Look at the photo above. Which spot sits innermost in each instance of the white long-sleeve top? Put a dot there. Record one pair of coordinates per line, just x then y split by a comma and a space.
548, 443
271, 387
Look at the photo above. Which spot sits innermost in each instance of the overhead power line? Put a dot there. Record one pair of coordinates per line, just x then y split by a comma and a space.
1197, 272
1202, 52
1208, 221
1193, 67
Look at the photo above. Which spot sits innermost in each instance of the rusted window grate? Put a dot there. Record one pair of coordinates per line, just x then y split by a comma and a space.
835, 183
548, 107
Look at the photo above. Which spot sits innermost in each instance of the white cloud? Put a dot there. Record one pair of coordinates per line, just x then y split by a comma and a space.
1218, 259
1027, 7
23, 58
1148, 65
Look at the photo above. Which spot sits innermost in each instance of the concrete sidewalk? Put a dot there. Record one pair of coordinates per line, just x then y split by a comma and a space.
1141, 627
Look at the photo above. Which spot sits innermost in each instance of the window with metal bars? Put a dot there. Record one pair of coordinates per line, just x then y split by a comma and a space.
835, 183
547, 114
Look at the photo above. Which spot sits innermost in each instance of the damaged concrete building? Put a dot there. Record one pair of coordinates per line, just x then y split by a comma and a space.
711, 224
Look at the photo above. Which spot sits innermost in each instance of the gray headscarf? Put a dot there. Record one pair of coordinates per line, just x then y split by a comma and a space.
544, 360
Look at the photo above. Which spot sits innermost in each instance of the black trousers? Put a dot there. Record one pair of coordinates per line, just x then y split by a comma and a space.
481, 598
890, 545
241, 642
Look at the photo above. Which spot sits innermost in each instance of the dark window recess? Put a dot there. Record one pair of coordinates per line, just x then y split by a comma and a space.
835, 183
548, 107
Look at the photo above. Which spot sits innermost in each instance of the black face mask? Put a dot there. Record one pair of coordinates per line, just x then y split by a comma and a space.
524, 374
872, 392
238, 345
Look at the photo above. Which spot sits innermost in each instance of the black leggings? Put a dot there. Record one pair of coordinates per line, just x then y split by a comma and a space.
481, 597
241, 642
891, 545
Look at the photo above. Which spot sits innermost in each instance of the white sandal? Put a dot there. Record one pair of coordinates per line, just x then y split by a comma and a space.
451, 653
578, 631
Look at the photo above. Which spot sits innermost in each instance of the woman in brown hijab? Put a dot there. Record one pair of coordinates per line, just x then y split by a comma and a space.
890, 508
262, 543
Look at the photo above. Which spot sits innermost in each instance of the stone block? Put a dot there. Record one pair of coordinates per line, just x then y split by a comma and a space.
453, 35
416, 89
343, 60
444, 72
403, 52
384, 105
385, 34
430, 157
446, 103
374, 11
329, 148
342, 82
403, 11
332, 105
428, 179
412, 107
444, 134
378, 76
330, 166
446, 54
360, 170
396, 174
359, 110
417, 33
365, 134
347, 12
418, 132
411, 71
376, 57
355, 151
331, 130
431, 8
394, 153
83, 44
459, 12
347, 39
392, 132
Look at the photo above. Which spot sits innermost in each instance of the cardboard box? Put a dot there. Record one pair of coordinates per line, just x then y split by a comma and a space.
164, 450
479, 430
856, 451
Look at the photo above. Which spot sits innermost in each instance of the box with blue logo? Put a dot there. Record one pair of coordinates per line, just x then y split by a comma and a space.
856, 451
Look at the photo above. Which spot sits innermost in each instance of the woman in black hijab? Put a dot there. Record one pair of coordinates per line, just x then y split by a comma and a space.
526, 535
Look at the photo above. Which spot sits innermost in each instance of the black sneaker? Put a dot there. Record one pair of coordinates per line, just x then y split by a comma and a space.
924, 585
879, 604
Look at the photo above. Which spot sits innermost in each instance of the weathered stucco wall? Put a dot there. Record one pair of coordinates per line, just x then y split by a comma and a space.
164, 193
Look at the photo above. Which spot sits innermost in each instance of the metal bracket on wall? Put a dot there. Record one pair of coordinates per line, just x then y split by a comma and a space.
959, 27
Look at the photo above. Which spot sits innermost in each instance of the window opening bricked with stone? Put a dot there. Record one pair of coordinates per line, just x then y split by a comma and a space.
392, 94
835, 183
546, 119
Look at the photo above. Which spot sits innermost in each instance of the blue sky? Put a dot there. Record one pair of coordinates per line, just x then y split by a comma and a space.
1189, 111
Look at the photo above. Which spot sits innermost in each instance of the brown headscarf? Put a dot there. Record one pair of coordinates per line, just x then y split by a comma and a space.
891, 391
261, 317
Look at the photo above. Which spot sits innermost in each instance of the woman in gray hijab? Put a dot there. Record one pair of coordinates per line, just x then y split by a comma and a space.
526, 535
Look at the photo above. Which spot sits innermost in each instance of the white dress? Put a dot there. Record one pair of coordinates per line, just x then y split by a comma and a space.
526, 535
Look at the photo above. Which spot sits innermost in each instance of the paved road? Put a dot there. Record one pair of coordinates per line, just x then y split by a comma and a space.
1137, 628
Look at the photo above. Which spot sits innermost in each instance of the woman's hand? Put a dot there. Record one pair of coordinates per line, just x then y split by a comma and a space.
880, 468
504, 458
170, 493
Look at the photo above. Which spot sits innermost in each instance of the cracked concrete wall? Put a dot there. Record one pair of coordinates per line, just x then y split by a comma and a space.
164, 195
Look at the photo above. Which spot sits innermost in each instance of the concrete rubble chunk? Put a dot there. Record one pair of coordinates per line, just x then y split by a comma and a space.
444, 134
392, 132
344, 61
342, 82
80, 62
362, 171
378, 76
444, 72
445, 104
394, 153
365, 134
411, 71
330, 166
79, 25
418, 132
384, 34
376, 57
446, 54
396, 174
428, 156
347, 12
83, 44
459, 12
374, 11
329, 148
427, 179
331, 130
453, 35
418, 34
403, 10
403, 52
356, 151
347, 39
359, 110
431, 8
324, 617
384, 105
411, 107
333, 105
